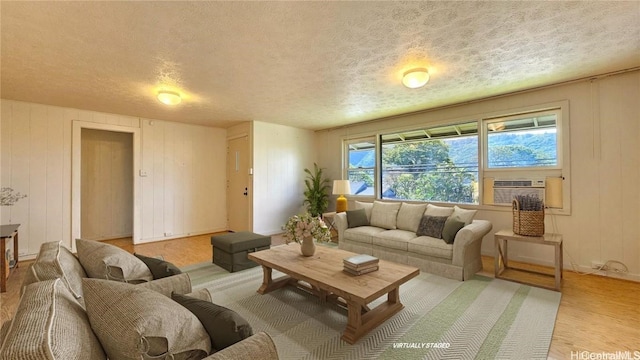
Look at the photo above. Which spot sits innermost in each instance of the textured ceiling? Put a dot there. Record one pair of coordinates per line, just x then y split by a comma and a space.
308, 64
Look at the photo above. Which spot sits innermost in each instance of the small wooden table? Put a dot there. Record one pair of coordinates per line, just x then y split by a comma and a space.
330, 219
501, 258
6, 232
325, 278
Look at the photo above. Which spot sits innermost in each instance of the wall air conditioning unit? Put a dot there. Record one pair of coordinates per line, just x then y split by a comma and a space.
505, 190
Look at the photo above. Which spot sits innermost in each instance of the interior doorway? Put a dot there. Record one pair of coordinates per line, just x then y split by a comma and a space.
132, 161
106, 185
239, 189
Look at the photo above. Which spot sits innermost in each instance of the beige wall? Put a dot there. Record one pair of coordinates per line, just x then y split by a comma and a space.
106, 184
181, 194
280, 155
605, 167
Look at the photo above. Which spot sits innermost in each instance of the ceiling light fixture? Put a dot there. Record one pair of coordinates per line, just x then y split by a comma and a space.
169, 97
415, 78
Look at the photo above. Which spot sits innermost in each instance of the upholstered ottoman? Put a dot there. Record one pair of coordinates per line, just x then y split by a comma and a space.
230, 250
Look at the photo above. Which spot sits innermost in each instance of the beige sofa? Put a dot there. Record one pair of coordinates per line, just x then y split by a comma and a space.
63, 314
391, 235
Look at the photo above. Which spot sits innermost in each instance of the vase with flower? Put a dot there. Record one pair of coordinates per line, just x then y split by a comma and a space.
305, 229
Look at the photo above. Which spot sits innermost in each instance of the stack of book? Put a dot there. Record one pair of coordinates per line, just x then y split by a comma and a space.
360, 264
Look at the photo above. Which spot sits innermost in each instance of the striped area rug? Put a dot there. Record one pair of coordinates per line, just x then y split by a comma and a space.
482, 318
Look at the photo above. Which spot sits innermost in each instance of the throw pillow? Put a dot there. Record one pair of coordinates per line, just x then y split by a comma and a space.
451, 228
431, 226
132, 322
434, 210
409, 216
56, 261
367, 208
50, 324
384, 215
225, 326
466, 216
357, 218
106, 261
158, 267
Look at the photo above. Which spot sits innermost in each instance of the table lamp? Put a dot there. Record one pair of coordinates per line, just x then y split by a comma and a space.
341, 187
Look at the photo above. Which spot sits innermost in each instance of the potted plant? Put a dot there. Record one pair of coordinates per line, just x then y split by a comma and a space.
316, 195
303, 229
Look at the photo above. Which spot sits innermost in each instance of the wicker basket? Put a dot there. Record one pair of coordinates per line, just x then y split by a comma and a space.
527, 223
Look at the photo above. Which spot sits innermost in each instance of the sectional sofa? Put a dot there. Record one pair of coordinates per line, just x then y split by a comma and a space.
65, 313
441, 240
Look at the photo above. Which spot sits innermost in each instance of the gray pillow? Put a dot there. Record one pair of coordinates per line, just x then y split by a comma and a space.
159, 268
357, 218
431, 226
225, 326
451, 228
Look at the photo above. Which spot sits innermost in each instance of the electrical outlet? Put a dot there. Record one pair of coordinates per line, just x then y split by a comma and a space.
168, 233
598, 265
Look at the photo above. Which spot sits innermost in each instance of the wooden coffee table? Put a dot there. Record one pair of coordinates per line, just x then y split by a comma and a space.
325, 278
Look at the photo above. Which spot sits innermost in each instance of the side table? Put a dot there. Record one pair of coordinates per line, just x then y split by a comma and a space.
7, 232
502, 237
329, 219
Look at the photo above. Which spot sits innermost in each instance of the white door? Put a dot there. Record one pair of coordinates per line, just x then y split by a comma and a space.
238, 184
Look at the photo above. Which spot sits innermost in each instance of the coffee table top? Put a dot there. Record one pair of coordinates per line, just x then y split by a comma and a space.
324, 269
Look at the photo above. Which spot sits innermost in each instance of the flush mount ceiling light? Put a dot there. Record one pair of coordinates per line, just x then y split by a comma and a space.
169, 97
415, 78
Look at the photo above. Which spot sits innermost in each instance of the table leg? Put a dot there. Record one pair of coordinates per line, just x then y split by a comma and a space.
15, 249
3, 270
558, 265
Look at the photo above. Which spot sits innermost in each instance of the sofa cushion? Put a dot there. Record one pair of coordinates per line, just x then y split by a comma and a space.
429, 246
158, 267
451, 228
409, 216
434, 210
225, 326
50, 324
367, 206
56, 261
394, 239
363, 234
137, 323
106, 261
384, 215
431, 226
464, 215
357, 218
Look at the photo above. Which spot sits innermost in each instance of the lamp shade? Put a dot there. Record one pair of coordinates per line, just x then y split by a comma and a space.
341, 187
415, 78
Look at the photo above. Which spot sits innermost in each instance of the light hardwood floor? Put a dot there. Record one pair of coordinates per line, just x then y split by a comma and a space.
596, 314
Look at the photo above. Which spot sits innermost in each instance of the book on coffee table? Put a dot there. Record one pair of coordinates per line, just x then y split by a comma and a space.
361, 260
360, 272
360, 267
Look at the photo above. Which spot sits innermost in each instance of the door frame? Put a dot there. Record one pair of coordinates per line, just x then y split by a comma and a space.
249, 179
76, 175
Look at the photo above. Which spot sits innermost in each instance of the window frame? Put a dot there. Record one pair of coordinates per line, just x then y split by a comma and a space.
563, 148
346, 143
484, 123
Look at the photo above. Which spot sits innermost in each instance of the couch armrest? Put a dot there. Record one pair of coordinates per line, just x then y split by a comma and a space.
341, 224
466, 245
180, 284
260, 346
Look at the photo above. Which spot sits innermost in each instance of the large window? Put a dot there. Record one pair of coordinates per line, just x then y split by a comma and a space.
361, 166
431, 164
453, 162
523, 141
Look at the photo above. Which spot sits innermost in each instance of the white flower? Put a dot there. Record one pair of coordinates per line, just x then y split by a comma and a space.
300, 226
